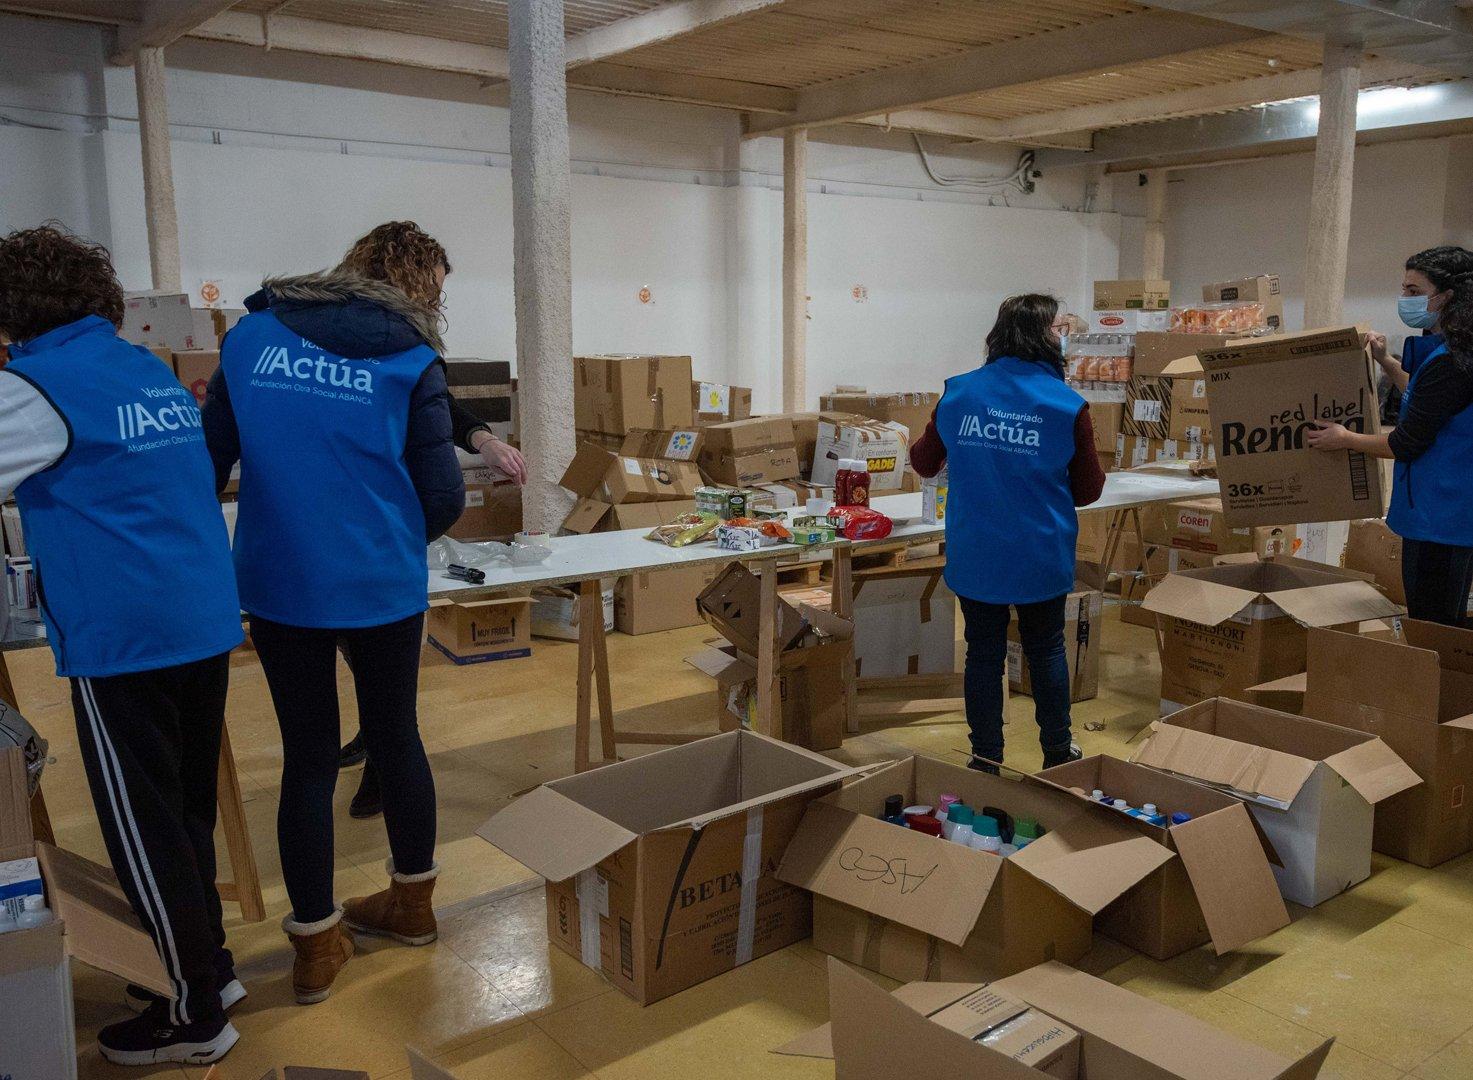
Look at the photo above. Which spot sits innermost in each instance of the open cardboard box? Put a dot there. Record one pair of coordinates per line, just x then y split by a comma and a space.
1121, 1036
912, 906
1311, 786
1219, 889
732, 603
1243, 621
602, 479
661, 869
1417, 695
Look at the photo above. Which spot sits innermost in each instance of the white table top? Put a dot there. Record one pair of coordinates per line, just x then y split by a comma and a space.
614, 554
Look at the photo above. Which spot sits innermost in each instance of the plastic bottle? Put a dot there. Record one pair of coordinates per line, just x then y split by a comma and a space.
1025, 831
1004, 822
1151, 814
894, 810
1098, 796
859, 482
958, 827
985, 836
1180, 818
843, 479
925, 823
944, 803
1008, 849
1121, 805
34, 913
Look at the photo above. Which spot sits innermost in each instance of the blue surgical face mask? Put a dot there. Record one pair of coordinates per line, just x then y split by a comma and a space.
1413, 312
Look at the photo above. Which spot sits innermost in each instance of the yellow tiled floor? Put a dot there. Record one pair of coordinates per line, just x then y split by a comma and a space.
1387, 968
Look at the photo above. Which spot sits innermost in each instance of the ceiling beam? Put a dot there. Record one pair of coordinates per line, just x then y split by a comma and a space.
1285, 127
691, 89
355, 43
972, 128
652, 27
1099, 46
164, 22
1193, 102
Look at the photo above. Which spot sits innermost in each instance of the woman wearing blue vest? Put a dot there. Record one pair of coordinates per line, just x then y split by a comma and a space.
103, 450
1426, 284
1432, 447
1018, 447
332, 397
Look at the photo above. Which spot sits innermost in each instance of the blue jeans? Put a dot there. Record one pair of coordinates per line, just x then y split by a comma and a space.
1041, 627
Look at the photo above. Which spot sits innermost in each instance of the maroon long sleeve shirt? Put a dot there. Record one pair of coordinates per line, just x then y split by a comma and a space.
1086, 478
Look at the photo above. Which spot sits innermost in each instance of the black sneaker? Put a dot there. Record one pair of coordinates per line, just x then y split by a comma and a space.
369, 801
232, 993
1052, 758
983, 766
151, 1037
353, 754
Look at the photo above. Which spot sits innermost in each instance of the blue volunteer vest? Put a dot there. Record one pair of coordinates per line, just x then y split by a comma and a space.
125, 532
1417, 350
1430, 497
1010, 520
330, 532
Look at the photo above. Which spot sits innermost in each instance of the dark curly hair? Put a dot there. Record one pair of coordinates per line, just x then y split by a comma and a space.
1455, 320
1442, 265
50, 277
405, 256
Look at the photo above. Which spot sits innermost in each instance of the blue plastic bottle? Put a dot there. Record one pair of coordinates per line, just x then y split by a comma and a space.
1180, 818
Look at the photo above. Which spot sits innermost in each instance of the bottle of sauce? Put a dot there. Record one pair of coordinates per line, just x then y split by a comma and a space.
858, 483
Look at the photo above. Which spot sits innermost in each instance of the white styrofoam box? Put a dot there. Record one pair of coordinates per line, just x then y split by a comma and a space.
903, 616
1323, 839
38, 1037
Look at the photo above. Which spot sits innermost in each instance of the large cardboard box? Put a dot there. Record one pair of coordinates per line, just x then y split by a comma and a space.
1189, 420
881, 445
614, 395
719, 403
811, 704
762, 450
1134, 451
483, 387
163, 321
647, 603
1138, 293
1236, 625
1105, 418
911, 411
1264, 290
663, 445
1120, 1035
1263, 394
1155, 351
1417, 695
904, 622
912, 906
1312, 787
1147, 410
1220, 888
661, 869
1083, 622
193, 370
645, 516
478, 631
1374, 549
1200, 525
602, 479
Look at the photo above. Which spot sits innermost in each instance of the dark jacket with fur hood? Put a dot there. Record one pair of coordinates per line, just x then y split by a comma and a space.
355, 316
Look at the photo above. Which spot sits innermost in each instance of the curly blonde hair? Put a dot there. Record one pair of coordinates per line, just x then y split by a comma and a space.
405, 256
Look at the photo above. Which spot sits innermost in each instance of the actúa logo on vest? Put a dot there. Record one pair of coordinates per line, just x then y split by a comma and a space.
274, 360
139, 419
1009, 430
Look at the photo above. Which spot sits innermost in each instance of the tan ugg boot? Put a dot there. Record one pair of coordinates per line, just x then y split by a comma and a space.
322, 947
403, 911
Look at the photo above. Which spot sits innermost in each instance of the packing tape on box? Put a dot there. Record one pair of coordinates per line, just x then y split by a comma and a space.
593, 901
751, 875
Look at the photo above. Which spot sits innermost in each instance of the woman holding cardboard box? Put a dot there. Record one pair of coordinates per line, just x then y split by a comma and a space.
1018, 447
331, 395
1432, 445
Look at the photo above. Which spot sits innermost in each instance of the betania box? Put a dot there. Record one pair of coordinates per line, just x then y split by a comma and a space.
661, 869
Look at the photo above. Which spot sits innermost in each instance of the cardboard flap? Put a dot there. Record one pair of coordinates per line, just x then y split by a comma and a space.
1289, 684
1091, 861
101, 929
925, 998
1205, 602
15, 806
930, 885
873, 1033
1183, 366
1310, 1065
552, 835
1333, 605
1244, 768
1374, 770
700, 821
585, 516
1462, 723
1231, 877
422, 1068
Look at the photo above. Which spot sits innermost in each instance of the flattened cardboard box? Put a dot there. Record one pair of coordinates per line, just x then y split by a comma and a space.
913, 906
1417, 695
1263, 394
661, 869
1220, 887
614, 395
761, 450
1311, 786
1122, 1036
1242, 623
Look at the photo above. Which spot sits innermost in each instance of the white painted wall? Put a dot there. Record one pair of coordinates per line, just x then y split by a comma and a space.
276, 172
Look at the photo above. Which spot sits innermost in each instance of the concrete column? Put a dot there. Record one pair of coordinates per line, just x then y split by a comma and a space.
542, 255
1153, 240
1329, 201
795, 270
159, 211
